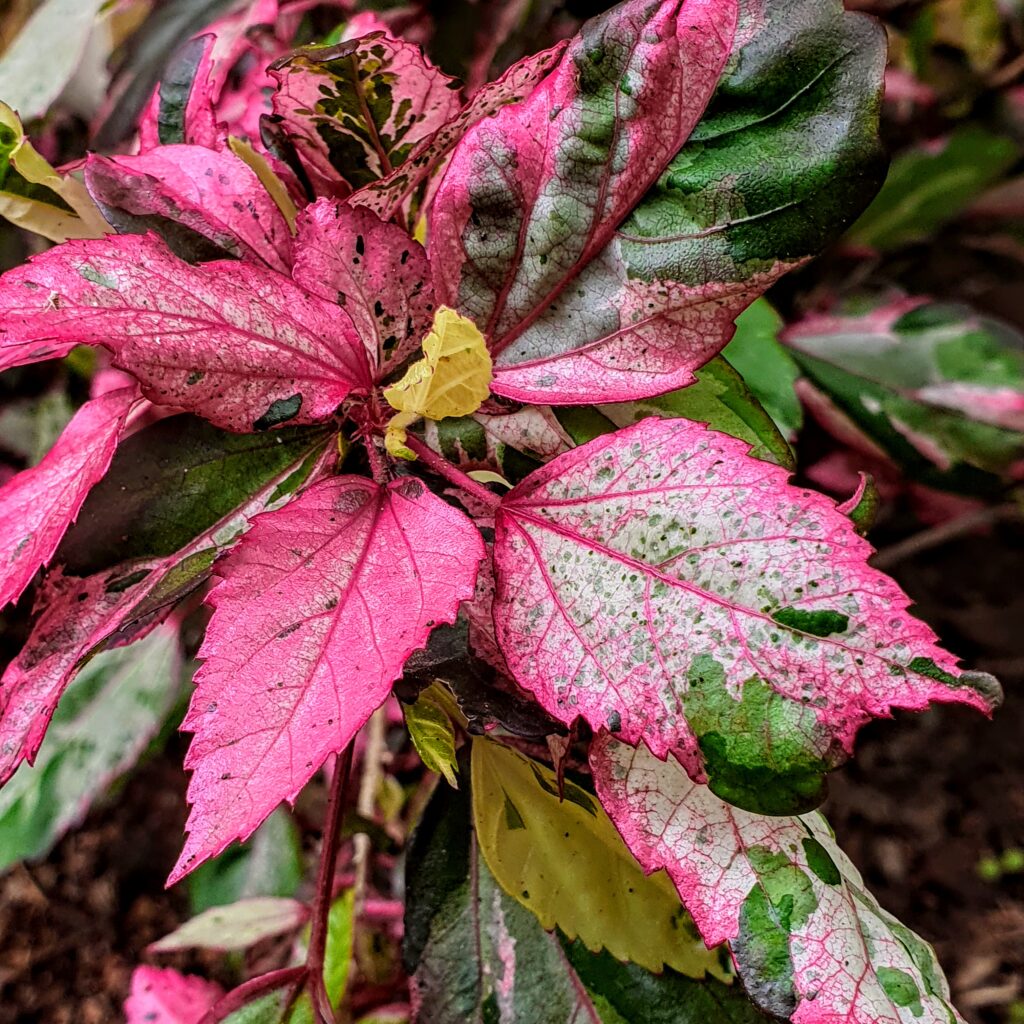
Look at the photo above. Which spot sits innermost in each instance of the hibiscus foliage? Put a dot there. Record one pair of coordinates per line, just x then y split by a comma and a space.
423, 388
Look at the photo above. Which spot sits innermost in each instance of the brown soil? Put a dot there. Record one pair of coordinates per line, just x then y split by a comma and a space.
928, 797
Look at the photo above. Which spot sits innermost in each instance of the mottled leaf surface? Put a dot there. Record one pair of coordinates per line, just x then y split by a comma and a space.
352, 578
668, 587
937, 387
164, 996
476, 954
534, 193
240, 345
355, 111
811, 944
40, 503
107, 718
386, 196
554, 850
374, 271
206, 204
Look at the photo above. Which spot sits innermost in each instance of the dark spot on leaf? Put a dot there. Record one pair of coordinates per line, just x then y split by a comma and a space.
281, 411
818, 623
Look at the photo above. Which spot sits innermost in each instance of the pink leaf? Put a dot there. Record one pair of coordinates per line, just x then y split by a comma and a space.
352, 577
533, 194
38, 505
663, 584
810, 943
375, 271
184, 191
386, 196
354, 111
163, 996
238, 344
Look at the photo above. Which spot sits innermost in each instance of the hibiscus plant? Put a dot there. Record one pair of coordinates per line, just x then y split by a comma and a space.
419, 389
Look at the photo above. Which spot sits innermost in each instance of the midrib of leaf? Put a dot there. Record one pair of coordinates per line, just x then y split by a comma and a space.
371, 126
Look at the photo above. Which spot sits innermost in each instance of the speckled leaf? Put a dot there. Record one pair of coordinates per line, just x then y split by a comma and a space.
374, 270
811, 944
78, 616
937, 387
206, 204
665, 585
352, 579
239, 344
107, 718
39, 504
386, 196
534, 193
554, 850
355, 111
476, 954
757, 190
167, 997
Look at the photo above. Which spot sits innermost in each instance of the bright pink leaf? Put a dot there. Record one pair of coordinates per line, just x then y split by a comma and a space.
184, 191
662, 583
810, 943
38, 505
352, 577
355, 111
373, 270
238, 344
535, 193
163, 996
386, 196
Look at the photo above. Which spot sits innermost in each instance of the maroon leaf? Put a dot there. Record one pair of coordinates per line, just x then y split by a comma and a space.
352, 577
238, 344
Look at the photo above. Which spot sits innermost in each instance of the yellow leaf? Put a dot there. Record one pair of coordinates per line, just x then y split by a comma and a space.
452, 379
565, 861
71, 213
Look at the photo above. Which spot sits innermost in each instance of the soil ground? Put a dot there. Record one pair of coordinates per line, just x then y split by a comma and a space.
927, 800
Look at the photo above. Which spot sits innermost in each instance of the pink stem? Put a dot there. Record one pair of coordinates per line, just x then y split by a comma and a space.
444, 468
325, 888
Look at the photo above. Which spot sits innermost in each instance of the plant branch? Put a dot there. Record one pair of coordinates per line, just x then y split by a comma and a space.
454, 475
252, 989
377, 467
369, 783
936, 536
325, 888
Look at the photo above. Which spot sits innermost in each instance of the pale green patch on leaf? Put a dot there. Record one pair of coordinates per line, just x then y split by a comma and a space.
432, 734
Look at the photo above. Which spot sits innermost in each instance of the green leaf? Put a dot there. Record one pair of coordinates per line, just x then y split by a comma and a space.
172, 480
766, 367
931, 184
269, 864
103, 723
786, 156
476, 954
560, 856
30, 427
936, 387
432, 734
721, 399
337, 959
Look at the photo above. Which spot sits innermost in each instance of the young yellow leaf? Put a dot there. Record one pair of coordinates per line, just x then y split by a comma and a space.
452, 379
564, 860
258, 164
34, 196
430, 729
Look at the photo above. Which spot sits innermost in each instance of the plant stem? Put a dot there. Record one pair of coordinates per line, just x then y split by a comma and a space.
451, 473
325, 888
377, 466
369, 783
250, 990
